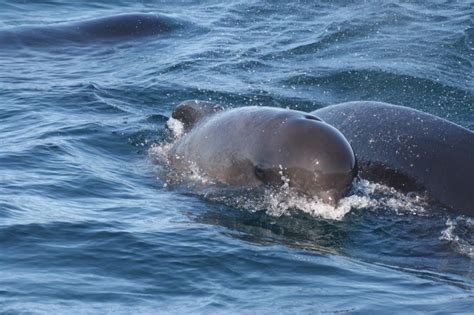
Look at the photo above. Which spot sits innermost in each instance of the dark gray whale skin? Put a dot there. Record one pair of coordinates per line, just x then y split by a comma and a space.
110, 28
409, 150
254, 146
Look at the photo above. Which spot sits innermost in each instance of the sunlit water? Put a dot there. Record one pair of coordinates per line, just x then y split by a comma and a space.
88, 224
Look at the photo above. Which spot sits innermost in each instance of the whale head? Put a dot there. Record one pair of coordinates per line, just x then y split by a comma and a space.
313, 157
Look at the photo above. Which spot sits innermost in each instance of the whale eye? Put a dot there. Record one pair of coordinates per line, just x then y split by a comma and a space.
260, 173
311, 117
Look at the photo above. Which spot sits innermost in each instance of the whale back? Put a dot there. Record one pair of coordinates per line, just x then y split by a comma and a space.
96, 30
409, 150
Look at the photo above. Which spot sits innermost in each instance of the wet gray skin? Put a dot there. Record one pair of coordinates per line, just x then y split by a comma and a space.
409, 150
110, 28
257, 146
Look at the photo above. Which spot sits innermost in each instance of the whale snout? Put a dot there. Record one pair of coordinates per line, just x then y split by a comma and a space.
331, 194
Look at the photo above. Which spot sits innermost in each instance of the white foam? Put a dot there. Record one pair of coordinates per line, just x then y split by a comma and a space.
460, 244
379, 195
196, 175
160, 152
283, 201
176, 127
280, 202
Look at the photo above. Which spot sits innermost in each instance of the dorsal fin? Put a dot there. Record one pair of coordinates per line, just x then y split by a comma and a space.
192, 111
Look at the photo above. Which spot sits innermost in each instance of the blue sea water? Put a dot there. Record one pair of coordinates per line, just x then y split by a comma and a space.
87, 225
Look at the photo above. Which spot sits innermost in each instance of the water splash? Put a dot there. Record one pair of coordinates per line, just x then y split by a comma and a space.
458, 234
192, 177
176, 127
382, 196
283, 200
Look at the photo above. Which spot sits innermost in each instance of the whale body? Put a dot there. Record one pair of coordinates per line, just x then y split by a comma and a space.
409, 150
110, 28
258, 146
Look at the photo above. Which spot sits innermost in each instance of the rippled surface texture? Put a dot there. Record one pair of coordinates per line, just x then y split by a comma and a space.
85, 225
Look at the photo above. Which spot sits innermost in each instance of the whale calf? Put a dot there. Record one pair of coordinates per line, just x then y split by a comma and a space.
409, 150
259, 146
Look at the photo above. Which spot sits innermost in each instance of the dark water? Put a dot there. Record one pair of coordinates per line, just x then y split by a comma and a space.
85, 225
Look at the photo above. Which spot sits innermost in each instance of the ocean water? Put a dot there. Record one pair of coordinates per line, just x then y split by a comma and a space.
88, 225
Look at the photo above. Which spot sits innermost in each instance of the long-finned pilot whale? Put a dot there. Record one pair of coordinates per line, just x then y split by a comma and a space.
409, 150
257, 146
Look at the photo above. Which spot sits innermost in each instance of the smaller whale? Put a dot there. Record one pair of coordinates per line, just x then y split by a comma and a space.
409, 150
263, 146
109, 28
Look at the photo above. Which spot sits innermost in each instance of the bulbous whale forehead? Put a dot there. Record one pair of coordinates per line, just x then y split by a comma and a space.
314, 155
305, 141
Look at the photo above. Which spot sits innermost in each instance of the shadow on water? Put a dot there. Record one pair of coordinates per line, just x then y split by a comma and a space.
298, 229
408, 242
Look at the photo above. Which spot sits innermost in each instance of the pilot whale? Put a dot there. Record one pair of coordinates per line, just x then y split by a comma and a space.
109, 28
261, 146
409, 150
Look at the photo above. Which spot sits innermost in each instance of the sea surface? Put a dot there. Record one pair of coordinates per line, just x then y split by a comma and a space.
89, 225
